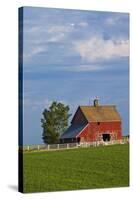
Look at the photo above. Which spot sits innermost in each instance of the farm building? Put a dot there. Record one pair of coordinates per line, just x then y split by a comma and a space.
94, 123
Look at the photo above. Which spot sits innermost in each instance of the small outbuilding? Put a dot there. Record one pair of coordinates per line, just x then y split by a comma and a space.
94, 123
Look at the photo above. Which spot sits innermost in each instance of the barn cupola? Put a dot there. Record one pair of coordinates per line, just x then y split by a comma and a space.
96, 103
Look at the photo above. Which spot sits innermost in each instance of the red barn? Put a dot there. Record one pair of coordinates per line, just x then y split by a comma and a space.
94, 123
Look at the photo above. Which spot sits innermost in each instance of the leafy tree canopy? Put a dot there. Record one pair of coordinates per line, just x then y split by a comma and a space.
54, 122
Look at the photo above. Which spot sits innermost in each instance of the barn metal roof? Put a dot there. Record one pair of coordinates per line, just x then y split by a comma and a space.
100, 113
72, 131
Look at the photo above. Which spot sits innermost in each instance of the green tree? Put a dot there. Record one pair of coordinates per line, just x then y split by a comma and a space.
54, 122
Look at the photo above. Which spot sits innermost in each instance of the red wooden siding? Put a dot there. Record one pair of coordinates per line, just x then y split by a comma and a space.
94, 130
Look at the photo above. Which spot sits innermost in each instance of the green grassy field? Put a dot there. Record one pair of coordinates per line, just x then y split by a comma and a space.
83, 168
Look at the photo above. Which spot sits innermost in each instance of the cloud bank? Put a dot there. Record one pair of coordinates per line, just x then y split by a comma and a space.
96, 48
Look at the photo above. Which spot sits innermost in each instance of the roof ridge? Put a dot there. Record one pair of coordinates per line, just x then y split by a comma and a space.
99, 105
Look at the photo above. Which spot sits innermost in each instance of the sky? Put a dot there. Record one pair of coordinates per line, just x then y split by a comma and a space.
72, 56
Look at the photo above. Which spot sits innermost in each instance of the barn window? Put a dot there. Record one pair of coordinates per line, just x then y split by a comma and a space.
98, 123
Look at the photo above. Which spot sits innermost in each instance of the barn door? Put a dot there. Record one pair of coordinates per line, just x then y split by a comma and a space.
106, 137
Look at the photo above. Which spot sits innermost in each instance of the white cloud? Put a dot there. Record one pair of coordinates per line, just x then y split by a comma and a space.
72, 24
83, 68
59, 32
33, 52
83, 24
114, 20
33, 30
56, 37
96, 48
61, 28
110, 21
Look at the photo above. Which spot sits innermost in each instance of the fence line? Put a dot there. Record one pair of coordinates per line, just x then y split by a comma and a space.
45, 147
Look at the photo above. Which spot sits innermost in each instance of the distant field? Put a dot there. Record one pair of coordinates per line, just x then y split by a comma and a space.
83, 168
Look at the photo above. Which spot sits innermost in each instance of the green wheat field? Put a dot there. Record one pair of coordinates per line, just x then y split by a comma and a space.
74, 169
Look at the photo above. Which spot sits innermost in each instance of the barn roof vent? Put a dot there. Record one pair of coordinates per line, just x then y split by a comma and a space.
96, 102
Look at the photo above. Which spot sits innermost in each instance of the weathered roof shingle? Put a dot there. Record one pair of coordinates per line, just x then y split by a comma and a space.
100, 113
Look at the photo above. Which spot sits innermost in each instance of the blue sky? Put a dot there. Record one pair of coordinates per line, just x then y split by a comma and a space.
72, 56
